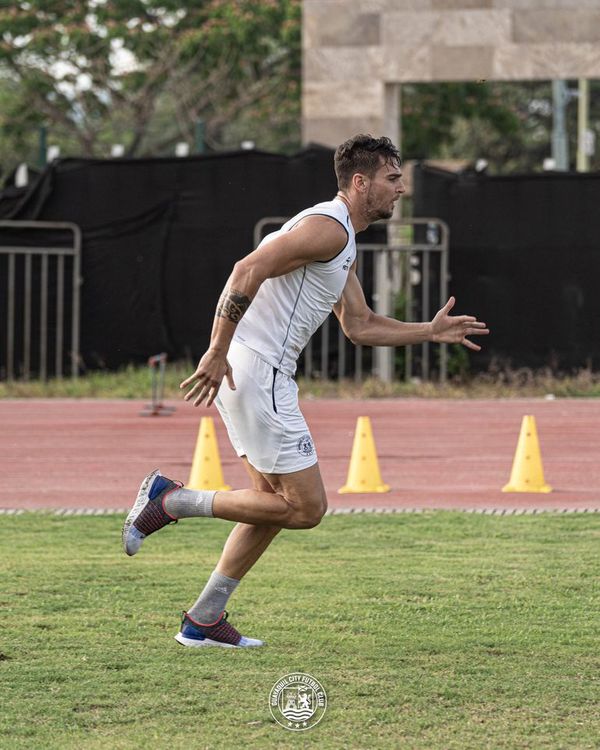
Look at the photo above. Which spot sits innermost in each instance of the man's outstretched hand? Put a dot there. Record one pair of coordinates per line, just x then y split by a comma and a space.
446, 329
206, 380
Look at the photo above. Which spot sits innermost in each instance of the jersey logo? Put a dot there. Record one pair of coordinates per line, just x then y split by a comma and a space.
305, 446
347, 263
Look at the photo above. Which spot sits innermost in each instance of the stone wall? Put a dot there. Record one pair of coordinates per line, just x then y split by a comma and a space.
355, 52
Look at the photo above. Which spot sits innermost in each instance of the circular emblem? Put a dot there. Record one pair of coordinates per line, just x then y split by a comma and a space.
305, 445
297, 701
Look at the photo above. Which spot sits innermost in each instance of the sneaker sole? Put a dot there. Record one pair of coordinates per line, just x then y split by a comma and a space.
139, 505
181, 639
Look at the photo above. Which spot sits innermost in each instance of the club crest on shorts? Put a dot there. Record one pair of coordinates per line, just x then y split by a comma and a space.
297, 701
305, 446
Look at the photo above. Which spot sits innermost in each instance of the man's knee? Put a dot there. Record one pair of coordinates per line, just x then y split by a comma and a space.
308, 515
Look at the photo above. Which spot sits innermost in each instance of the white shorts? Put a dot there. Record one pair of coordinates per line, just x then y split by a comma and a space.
262, 415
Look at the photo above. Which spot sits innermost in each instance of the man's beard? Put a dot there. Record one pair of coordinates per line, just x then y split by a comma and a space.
376, 213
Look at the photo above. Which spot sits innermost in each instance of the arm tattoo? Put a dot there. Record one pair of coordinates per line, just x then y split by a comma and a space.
232, 305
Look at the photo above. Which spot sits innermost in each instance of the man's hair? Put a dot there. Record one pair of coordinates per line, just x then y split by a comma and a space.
364, 154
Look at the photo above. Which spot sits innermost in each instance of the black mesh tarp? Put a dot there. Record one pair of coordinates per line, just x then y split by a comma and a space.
160, 237
524, 257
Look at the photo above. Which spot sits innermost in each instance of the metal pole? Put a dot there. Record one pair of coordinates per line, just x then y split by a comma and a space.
325, 349
358, 348
583, 111
383, 355
560, 144
199, 137
445, 244
153, 370
425, 305
44, 319
341, 373
10, 320
161, 382
408, 316
60, 308
76, 301
43, 146
27, 320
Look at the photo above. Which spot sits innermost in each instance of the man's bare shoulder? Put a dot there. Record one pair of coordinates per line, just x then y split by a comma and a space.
324, 235
313, 238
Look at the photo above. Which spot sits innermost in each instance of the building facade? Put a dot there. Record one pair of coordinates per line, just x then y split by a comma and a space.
357, 53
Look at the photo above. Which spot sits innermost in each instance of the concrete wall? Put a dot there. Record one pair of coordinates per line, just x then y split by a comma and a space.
355, 52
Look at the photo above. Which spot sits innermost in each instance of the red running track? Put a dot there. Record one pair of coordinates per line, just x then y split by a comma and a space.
435, 454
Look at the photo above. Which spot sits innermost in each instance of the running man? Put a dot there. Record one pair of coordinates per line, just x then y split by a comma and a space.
274, 300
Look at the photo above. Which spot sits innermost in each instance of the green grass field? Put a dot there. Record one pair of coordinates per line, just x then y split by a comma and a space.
135, 382
436, 631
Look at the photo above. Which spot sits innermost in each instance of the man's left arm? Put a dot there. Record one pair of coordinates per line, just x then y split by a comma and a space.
363, 326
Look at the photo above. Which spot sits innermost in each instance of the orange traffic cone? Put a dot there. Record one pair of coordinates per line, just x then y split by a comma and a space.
206, 472
527, 474
363, 474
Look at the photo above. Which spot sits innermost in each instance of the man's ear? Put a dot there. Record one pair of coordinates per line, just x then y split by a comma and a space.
360, 182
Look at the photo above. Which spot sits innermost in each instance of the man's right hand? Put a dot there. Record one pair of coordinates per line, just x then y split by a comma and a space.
207, 378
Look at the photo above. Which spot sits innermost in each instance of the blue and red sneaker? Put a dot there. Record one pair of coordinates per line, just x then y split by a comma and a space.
148, 513
220, 633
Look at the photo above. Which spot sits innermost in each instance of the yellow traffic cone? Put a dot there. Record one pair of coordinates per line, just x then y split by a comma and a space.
527, 474
206, 473
363, 474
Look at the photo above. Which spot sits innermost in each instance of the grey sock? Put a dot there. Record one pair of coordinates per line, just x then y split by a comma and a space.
213, 599
189, 503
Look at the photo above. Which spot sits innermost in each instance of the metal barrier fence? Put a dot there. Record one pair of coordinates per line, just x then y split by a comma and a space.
36, 275
404, 278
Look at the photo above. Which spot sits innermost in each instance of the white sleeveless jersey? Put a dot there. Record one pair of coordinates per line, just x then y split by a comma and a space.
288, 309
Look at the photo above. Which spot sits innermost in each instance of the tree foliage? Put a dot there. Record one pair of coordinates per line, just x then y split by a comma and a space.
509, 124
143, 72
